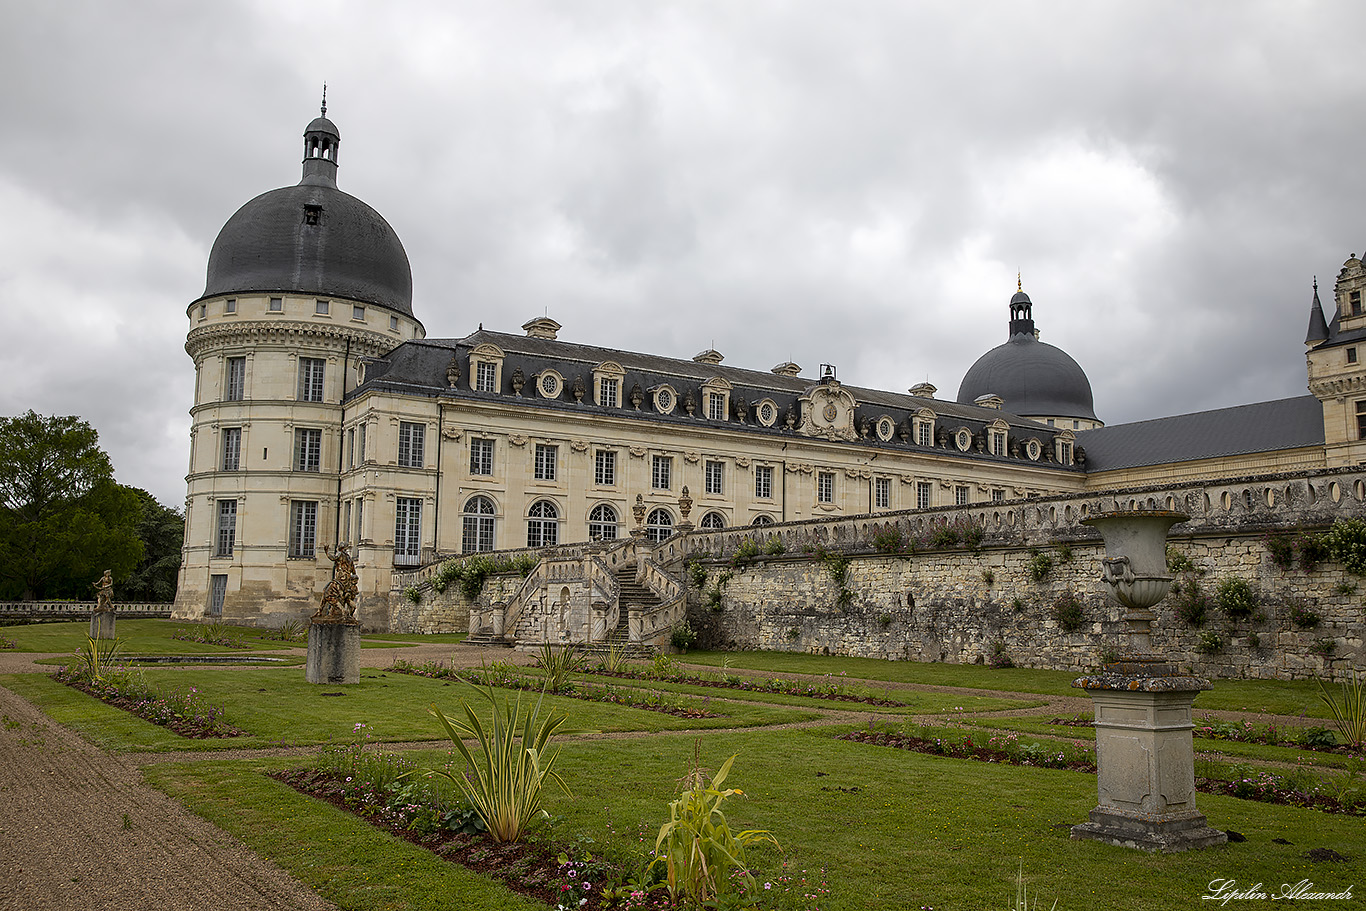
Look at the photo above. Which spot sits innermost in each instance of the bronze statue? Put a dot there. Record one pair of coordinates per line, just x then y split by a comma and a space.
339, 598
104, 592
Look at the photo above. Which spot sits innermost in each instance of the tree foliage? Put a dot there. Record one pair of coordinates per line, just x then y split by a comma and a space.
63, 520
162, 531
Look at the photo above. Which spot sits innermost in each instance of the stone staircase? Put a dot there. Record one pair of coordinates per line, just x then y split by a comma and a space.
630, 592
484, 639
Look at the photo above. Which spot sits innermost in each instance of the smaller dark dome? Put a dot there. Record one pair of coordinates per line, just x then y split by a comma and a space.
323, 125
1020, 298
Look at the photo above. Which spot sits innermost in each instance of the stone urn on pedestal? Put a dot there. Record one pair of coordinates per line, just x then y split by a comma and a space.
1145, 756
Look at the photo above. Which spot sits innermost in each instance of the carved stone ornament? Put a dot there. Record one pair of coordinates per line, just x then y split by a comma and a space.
828, 412
740, 408
580, 390
518, 381
638, 510
865, 427
685, 503
637, 452
452, 432
741, 462
903, 431
517, 440
803, 467
579, 445
637, 396
692, 457
854, 473
690, 403
453, 372
790, 418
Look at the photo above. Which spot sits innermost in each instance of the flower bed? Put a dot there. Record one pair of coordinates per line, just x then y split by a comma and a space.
7, 643
1318, 739
185, 713
664, 671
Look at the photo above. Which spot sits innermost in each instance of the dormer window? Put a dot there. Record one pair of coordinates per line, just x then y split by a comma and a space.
1064, 448
313, 214
486, 368
1354, 303
924, 428
997, 438
716, 399
607, 378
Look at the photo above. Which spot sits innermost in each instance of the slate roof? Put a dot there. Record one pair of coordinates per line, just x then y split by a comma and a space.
419, 368
1240, 430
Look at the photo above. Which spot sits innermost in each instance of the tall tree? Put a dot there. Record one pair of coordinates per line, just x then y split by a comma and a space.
63, 520
162, 531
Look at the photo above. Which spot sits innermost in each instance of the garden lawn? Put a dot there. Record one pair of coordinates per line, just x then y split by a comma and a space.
1276, 697
895, 830
275, 707
137, 637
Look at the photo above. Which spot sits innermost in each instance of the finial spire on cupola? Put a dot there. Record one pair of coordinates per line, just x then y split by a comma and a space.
322, 141
1021, 310
1318, 326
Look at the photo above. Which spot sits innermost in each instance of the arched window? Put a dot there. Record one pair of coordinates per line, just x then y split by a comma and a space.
762, 520
477, 533
659, 525
542, 524
602, 523
713, 520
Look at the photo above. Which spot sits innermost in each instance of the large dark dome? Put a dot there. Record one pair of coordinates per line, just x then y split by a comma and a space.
1033, 378
312, 239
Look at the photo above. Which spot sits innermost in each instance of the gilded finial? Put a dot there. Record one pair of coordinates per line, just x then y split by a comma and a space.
1316, 284
324, 99
1019, 283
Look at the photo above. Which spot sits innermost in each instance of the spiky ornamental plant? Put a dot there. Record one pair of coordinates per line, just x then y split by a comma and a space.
1349, 715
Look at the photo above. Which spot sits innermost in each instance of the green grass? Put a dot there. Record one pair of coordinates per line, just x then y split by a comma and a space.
277, 708
895, 829
1278, 697
139, 637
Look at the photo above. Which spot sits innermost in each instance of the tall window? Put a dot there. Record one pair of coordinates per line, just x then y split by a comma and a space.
922, 494
486, 377
360, 445
763, 482
481, 456
351, 448
218, 593
311, 371
658, 525
716, 406
607, 392
661, 471
232, 448
960, 495
308, 447
882, 493
346, 520
924, 433
477, 531
407, 530
542, 524
825, 487
545, 461
303, 527
360, 518
412, 439
998, 442
1064, 452
227, 528
713, 520
714, 480
1354, 301
602, 523
236, 383
605, 468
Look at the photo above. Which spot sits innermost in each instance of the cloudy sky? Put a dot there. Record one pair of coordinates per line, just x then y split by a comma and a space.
850, 183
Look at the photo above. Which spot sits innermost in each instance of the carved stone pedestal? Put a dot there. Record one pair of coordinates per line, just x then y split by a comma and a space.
333, 652
1146, 762
102, 624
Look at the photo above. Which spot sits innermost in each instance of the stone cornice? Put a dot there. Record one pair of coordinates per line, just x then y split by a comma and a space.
365, 343
1332, 387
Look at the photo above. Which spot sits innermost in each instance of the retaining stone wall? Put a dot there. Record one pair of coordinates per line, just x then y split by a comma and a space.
448, 611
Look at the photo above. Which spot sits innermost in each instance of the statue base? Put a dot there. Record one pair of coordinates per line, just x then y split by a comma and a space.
102, 624
333, 652
1145, 761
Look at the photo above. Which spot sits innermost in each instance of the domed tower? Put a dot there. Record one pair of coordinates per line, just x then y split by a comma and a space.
303, 282
1035, 380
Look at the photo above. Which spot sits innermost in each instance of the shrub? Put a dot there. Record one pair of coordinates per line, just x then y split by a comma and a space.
988, 577
745, 554
413, 594
1254, 640
471, 572
1069, 612
1324, 648
96, 659
1349, 714
1210, 643
1039, 565
837, 567
1064, 553
1345, 542
702, 858
697, 573
1302, 616
682, 636
1177, 562
1345, 588
1191, 606
1313, 550
884, 621
560, 665
945, 536
998, 657
1281, 546
774, 546
506, 776
714, 597
973, 535
1235, 598
889, 541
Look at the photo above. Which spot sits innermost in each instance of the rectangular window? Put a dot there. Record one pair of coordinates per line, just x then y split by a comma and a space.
360, 518
203, 310
360, 445
825, 487
1064, 452
998, 443
998, 496
227, 528
411, 442
393, 323
303, 528
351, 448
358, 312
346, 520
230, 305
716, 406
477, 533
277, 304
960, 495
607, 392
308, 449
218, 593
321, 308
882, 493
763, 482
481, 456
924, 433
407, 531
486, 377
1351, 355
545, 461
232, 448
605, 468
311, 371
1354, 300
661, 472
714, 482
923, 489
1361, 420
236, 380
